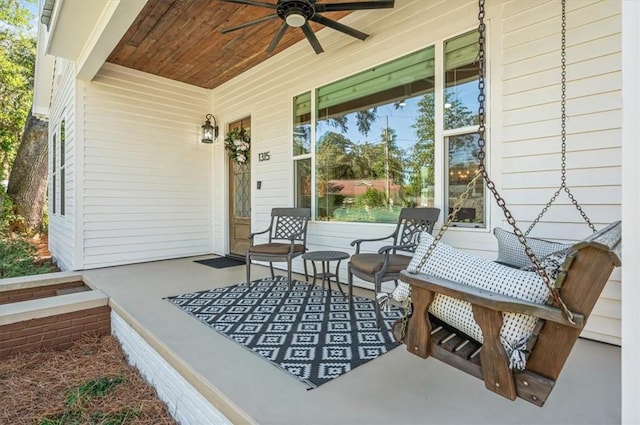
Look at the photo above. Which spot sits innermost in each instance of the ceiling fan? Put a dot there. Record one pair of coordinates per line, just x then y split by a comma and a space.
298, 13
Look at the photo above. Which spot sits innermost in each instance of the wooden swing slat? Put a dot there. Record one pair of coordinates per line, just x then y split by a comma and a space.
452, 342
585, 275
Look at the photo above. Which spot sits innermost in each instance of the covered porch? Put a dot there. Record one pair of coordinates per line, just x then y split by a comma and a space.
394, 388
136, 146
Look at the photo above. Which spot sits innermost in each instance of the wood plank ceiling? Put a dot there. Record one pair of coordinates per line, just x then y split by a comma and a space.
181, 40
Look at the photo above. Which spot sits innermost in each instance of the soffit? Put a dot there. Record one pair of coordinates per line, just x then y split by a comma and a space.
181, 40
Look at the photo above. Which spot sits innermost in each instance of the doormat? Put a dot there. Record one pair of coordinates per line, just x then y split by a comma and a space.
221, 262
306, 331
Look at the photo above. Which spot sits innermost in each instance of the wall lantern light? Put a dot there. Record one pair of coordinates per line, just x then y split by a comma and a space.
209, 132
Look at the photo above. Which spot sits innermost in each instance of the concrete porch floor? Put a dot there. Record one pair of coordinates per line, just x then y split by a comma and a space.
396, 388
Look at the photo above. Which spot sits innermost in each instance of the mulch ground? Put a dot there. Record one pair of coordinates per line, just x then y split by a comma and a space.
35, 388
45, 387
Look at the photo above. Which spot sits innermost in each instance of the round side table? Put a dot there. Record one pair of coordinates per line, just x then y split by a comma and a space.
326, 257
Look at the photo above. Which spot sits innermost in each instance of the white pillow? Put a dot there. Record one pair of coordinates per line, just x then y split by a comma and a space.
511, 251
449, 263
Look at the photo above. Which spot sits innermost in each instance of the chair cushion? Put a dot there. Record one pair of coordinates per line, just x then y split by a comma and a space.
511, 251
372, 263
449, 263
275, 248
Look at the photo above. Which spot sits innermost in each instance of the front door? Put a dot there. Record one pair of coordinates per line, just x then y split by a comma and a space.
239, 199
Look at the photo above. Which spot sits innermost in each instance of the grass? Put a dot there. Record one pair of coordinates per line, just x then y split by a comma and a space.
90, 389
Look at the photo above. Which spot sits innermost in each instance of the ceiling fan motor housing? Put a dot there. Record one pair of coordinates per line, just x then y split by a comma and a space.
295, 12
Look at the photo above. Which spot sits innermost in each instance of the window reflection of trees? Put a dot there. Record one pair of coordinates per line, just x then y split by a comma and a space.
407, 175
364, 176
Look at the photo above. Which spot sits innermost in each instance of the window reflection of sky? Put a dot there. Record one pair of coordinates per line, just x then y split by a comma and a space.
465, 93
400, 119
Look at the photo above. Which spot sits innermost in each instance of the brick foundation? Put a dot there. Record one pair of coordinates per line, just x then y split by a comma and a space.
57, 331
24, 294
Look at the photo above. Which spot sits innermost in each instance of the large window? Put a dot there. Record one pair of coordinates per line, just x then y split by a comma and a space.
368, 145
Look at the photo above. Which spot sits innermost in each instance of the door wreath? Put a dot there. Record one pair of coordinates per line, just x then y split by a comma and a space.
237, 144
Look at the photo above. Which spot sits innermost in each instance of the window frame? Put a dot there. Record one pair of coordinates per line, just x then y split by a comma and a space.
54, 173
304, 156
63, 167
441, 135
58, 171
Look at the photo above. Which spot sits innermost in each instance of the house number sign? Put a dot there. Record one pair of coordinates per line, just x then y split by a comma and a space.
264, 156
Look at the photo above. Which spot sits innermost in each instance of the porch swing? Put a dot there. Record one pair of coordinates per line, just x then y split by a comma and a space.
512, 328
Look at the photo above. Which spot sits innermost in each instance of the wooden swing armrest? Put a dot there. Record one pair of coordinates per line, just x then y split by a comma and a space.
489, 299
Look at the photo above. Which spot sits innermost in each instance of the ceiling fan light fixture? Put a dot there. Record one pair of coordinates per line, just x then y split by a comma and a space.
295, 18
299, 13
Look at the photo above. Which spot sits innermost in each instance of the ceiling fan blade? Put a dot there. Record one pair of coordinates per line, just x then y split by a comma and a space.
277, 37
339, 27
252, 3
337, 7
312, 38
249, 23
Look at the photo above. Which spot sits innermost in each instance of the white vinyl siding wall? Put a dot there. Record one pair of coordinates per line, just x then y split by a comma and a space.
146, 183
524, 80
62, 227
531, 125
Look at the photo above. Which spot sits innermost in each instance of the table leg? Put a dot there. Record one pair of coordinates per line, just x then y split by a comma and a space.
338, 277
315, 272
325, 270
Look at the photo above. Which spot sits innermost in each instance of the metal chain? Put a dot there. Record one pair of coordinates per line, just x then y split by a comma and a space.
563, 128
482, 172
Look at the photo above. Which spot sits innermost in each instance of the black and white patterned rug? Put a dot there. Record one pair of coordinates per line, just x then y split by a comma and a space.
306, 331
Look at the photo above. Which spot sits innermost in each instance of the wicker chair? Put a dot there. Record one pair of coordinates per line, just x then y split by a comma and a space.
387, 263
287, 240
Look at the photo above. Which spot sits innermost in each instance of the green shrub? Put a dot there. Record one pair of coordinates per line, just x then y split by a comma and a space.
371, 198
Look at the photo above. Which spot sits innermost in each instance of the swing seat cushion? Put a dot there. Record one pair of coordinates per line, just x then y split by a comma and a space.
511, 251
452, 264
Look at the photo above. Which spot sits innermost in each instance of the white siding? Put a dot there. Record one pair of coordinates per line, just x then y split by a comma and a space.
523, 59
62, 228
146, 182
530, 114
